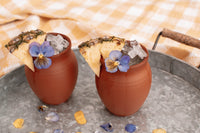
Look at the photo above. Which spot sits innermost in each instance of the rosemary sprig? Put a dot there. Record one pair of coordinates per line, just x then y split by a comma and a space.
23, 37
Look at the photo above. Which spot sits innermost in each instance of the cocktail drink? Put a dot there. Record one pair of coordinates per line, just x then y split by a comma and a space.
124, 77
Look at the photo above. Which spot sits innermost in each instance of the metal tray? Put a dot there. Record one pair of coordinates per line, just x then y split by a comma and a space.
173, 102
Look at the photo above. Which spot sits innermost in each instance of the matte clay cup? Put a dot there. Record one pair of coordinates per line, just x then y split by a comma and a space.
123, 93
55, 84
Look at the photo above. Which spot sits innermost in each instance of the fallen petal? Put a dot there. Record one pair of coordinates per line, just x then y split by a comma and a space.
98, 132
52, 117
18, 123
107, 127
130, 128
159, 130
42, 108
80, 118
58, 131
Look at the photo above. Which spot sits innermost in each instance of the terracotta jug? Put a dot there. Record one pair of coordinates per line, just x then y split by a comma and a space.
55, 84
123, 93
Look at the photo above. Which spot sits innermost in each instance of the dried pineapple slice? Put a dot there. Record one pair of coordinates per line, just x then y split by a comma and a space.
93, 49
19, 46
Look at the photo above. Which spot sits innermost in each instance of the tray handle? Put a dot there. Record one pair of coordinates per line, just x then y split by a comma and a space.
179, 37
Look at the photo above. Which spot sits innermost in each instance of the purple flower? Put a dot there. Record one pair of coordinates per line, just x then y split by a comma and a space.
41, 52
116, 61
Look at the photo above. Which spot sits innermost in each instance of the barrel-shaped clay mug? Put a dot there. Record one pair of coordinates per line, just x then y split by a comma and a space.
123, 93
55, 84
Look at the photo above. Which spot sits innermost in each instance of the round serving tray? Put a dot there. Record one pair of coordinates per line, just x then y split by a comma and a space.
173, 102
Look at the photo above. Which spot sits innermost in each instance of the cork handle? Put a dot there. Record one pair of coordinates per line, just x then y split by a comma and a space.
179, 37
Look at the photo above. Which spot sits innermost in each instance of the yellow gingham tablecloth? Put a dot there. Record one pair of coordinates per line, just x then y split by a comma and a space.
84, 19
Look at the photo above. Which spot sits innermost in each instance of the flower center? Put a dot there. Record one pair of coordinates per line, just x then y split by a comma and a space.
40, 56
116, 63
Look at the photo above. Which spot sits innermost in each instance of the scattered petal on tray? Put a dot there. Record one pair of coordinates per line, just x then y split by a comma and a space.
107, 127
42, 108
80, 118
58, 131
52, 116
98, 132
159, 131
18, 123
130, 128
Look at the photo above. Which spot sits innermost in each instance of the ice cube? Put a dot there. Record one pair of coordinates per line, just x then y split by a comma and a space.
129, 46
133, 43
57, 42
135, 60
133, 48
137, 50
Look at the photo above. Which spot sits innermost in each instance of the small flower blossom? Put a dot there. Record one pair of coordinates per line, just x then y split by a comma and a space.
42, 52
116, 61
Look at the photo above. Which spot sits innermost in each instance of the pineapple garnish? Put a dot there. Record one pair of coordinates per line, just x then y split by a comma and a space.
93, 49
19, 46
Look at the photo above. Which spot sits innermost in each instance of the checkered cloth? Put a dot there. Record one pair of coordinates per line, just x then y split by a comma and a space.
84, 19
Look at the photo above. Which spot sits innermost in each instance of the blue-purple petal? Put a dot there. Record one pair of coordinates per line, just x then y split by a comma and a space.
115, 55
124, 60
112, 71
52, 116
58, 131
48, 64
34, 49
123, 68
130, 128
42, 63
34, 43
107, 127
46, 49
109, 65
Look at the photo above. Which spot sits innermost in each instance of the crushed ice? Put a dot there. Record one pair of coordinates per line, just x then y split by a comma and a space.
57, 42
135, 51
